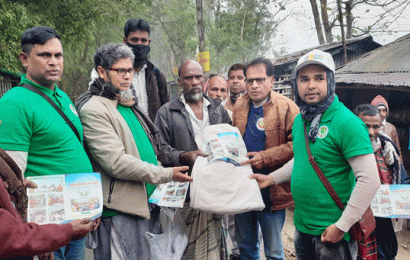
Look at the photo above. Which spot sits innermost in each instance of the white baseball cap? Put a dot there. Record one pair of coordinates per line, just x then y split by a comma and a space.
316, 57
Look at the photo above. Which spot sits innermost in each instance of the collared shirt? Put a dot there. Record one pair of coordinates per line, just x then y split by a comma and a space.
341, 136
30, 124
138, 82
197, 124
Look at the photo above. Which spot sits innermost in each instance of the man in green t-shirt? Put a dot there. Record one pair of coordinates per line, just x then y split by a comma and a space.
340, 144
32, 132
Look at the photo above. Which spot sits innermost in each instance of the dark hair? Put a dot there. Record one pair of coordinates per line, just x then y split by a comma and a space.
108, 54
36, 35
133, 25
237, 66
270, 69
366, 110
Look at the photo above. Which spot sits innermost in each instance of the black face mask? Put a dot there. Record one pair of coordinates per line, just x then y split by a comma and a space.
141, 54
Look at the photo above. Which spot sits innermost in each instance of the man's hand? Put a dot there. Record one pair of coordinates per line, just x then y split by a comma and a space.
97, 223
29, 184
46, 256
332, 234
189, 158
263, 180
179, 174
81, 227
256, 161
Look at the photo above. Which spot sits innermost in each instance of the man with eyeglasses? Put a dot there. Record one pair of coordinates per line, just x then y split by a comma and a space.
123, 144
265, 119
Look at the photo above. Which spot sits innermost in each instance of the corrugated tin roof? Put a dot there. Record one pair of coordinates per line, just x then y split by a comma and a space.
10, 73
325, 47
391, 58
399, 79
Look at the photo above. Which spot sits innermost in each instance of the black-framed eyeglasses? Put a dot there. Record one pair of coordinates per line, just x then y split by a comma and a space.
259, 81
122, 72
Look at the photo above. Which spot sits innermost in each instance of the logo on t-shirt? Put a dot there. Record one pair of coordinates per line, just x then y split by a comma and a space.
260, 124
73, 109
323, 131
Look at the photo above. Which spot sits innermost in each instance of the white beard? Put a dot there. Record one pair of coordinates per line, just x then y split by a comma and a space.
195, 97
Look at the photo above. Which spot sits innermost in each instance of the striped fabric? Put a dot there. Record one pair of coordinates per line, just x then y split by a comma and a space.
205, 234
367, 250
384, 172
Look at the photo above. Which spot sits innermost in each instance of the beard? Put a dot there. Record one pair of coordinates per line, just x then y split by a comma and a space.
194, 96
125, 97
375, 143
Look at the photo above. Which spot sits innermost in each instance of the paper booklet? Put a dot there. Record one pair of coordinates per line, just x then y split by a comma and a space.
222, 142
171, 194
66, 197
392, 201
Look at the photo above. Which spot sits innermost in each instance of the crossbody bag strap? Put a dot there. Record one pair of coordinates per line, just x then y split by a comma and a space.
321, 176
68, 121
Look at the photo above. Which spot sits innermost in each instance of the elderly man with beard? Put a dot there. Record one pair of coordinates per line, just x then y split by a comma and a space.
123, 144
149, 83
217, 88
339, 143
180, 121
383, 240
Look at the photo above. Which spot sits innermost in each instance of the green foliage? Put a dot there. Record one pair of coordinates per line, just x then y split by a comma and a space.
13, 21
242, 30
236, 31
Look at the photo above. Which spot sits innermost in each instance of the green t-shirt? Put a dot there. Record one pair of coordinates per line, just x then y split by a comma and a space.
341, 136
145, 149
29, 123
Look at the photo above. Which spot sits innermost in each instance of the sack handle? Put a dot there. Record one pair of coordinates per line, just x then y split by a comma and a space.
321, 176
41, 93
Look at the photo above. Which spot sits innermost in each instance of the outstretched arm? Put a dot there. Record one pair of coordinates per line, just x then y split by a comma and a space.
279, 176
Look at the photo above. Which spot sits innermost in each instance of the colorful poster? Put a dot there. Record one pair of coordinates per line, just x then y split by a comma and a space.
171, 194
392, 201
63, 198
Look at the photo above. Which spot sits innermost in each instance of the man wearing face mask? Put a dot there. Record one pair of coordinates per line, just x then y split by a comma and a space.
149, 83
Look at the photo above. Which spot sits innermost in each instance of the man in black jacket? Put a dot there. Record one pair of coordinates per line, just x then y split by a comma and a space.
149, 83
179, 122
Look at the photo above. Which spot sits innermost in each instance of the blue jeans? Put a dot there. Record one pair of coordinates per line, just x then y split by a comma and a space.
309, 247
247, 233
75, 250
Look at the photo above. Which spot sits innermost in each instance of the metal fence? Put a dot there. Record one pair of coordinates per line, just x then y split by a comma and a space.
6, 83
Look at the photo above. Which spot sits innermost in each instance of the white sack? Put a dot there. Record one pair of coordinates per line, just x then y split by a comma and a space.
221, 187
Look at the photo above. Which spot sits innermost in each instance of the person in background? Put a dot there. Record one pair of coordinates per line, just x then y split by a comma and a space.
217, 88
123, 144
340, 144
236, 84
148, 82
382, 244
32, 132
386, 128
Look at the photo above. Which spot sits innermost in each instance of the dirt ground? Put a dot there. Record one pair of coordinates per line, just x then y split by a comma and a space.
403, 238
288, 231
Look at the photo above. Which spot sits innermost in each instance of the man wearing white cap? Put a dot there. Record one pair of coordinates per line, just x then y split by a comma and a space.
340, 144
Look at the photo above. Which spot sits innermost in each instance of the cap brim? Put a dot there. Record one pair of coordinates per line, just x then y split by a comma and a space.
311, 62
